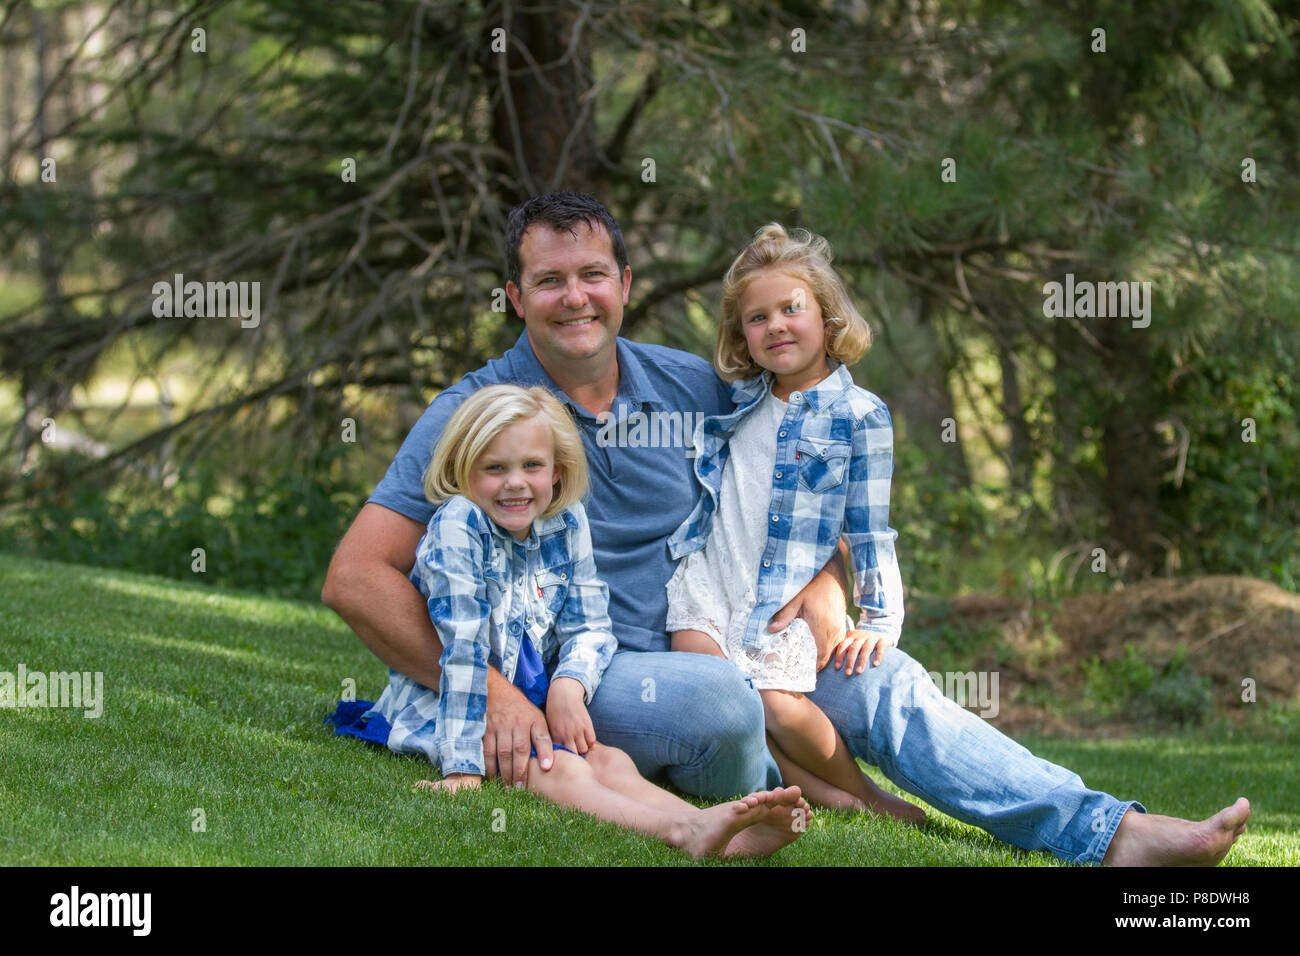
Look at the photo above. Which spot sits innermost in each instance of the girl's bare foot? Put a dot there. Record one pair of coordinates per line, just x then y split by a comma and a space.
451, 784
784, 821
882, 801
823, 794
708, 832
1149, 839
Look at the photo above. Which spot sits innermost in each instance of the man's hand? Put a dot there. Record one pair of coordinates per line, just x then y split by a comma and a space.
514, 726
856, 648
567, 715
452, 782
821, 605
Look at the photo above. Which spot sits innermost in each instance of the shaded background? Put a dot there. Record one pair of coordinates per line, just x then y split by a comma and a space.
1171, 157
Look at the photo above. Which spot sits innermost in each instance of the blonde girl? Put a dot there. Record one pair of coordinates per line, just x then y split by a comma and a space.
507, 570
802, 462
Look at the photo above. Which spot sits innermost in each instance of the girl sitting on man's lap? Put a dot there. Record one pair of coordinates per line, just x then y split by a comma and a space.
805, 459
507, 569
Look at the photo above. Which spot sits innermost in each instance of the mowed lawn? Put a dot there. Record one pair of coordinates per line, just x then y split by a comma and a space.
211, 750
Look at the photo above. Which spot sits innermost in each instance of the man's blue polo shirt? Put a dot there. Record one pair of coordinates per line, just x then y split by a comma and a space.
643, 482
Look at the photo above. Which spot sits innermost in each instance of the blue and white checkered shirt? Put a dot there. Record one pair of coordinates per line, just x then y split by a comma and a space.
487, 593
834, 461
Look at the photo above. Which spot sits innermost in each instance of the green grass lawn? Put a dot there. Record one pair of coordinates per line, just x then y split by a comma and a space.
213, 702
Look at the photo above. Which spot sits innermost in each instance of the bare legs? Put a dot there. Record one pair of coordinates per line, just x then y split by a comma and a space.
805, 740
783, 811
809, 751
607, 785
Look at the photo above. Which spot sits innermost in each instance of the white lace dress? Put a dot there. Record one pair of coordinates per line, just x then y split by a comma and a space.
714, 590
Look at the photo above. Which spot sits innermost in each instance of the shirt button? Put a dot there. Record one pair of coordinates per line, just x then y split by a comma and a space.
564, 576
778, 474
796, 398
775, 519
782, 435
767, 564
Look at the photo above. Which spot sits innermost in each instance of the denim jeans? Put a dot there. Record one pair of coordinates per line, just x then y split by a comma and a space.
695, 718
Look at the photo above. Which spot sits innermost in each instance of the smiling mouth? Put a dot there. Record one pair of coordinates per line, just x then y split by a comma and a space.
514, 504
577, 323
778, 345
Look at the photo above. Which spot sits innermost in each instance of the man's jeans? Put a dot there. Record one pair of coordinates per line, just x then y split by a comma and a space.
697, 719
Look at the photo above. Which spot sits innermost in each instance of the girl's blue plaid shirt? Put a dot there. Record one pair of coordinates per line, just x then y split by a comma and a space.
834, 461
487, 593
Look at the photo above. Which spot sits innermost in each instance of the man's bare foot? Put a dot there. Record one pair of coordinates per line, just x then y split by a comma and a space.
784, 821
710, 831
1148, 839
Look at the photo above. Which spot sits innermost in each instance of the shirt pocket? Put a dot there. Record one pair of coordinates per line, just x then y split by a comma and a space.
496, 581
553, 586
822, 464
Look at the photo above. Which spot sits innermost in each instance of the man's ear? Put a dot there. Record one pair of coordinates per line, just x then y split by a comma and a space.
627, 283
515, 297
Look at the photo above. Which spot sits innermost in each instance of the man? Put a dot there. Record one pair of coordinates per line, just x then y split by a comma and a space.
692, 716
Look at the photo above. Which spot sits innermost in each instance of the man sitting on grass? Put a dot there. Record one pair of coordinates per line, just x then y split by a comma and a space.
692, 716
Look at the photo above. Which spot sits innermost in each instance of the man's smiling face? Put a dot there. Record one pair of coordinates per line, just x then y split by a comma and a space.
571, 295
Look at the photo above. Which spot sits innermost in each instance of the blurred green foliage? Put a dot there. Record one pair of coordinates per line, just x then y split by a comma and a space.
1117, 165
1136, 688
275, 536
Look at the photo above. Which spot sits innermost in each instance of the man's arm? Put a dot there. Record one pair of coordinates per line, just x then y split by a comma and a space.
367, 586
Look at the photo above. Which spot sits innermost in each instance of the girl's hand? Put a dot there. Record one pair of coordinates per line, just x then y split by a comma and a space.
856, 648
452, 782
567, 715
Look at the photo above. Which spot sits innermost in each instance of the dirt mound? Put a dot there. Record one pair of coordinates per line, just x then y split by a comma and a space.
1160, 652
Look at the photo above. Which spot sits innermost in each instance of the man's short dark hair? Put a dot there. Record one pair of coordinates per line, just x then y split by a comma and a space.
562, 212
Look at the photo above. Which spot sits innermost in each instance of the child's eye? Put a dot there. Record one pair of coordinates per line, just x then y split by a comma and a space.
758, 317
794, 307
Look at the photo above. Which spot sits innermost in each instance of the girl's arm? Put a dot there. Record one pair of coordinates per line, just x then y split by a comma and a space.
877, 583
450, 562
583, 625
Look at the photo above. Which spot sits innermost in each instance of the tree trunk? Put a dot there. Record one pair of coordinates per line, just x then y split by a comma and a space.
925, 401
1019, 453
41, 393
542, 114
1129, 449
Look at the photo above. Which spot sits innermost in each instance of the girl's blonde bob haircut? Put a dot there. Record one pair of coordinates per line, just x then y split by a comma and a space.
485, 415
804, 256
